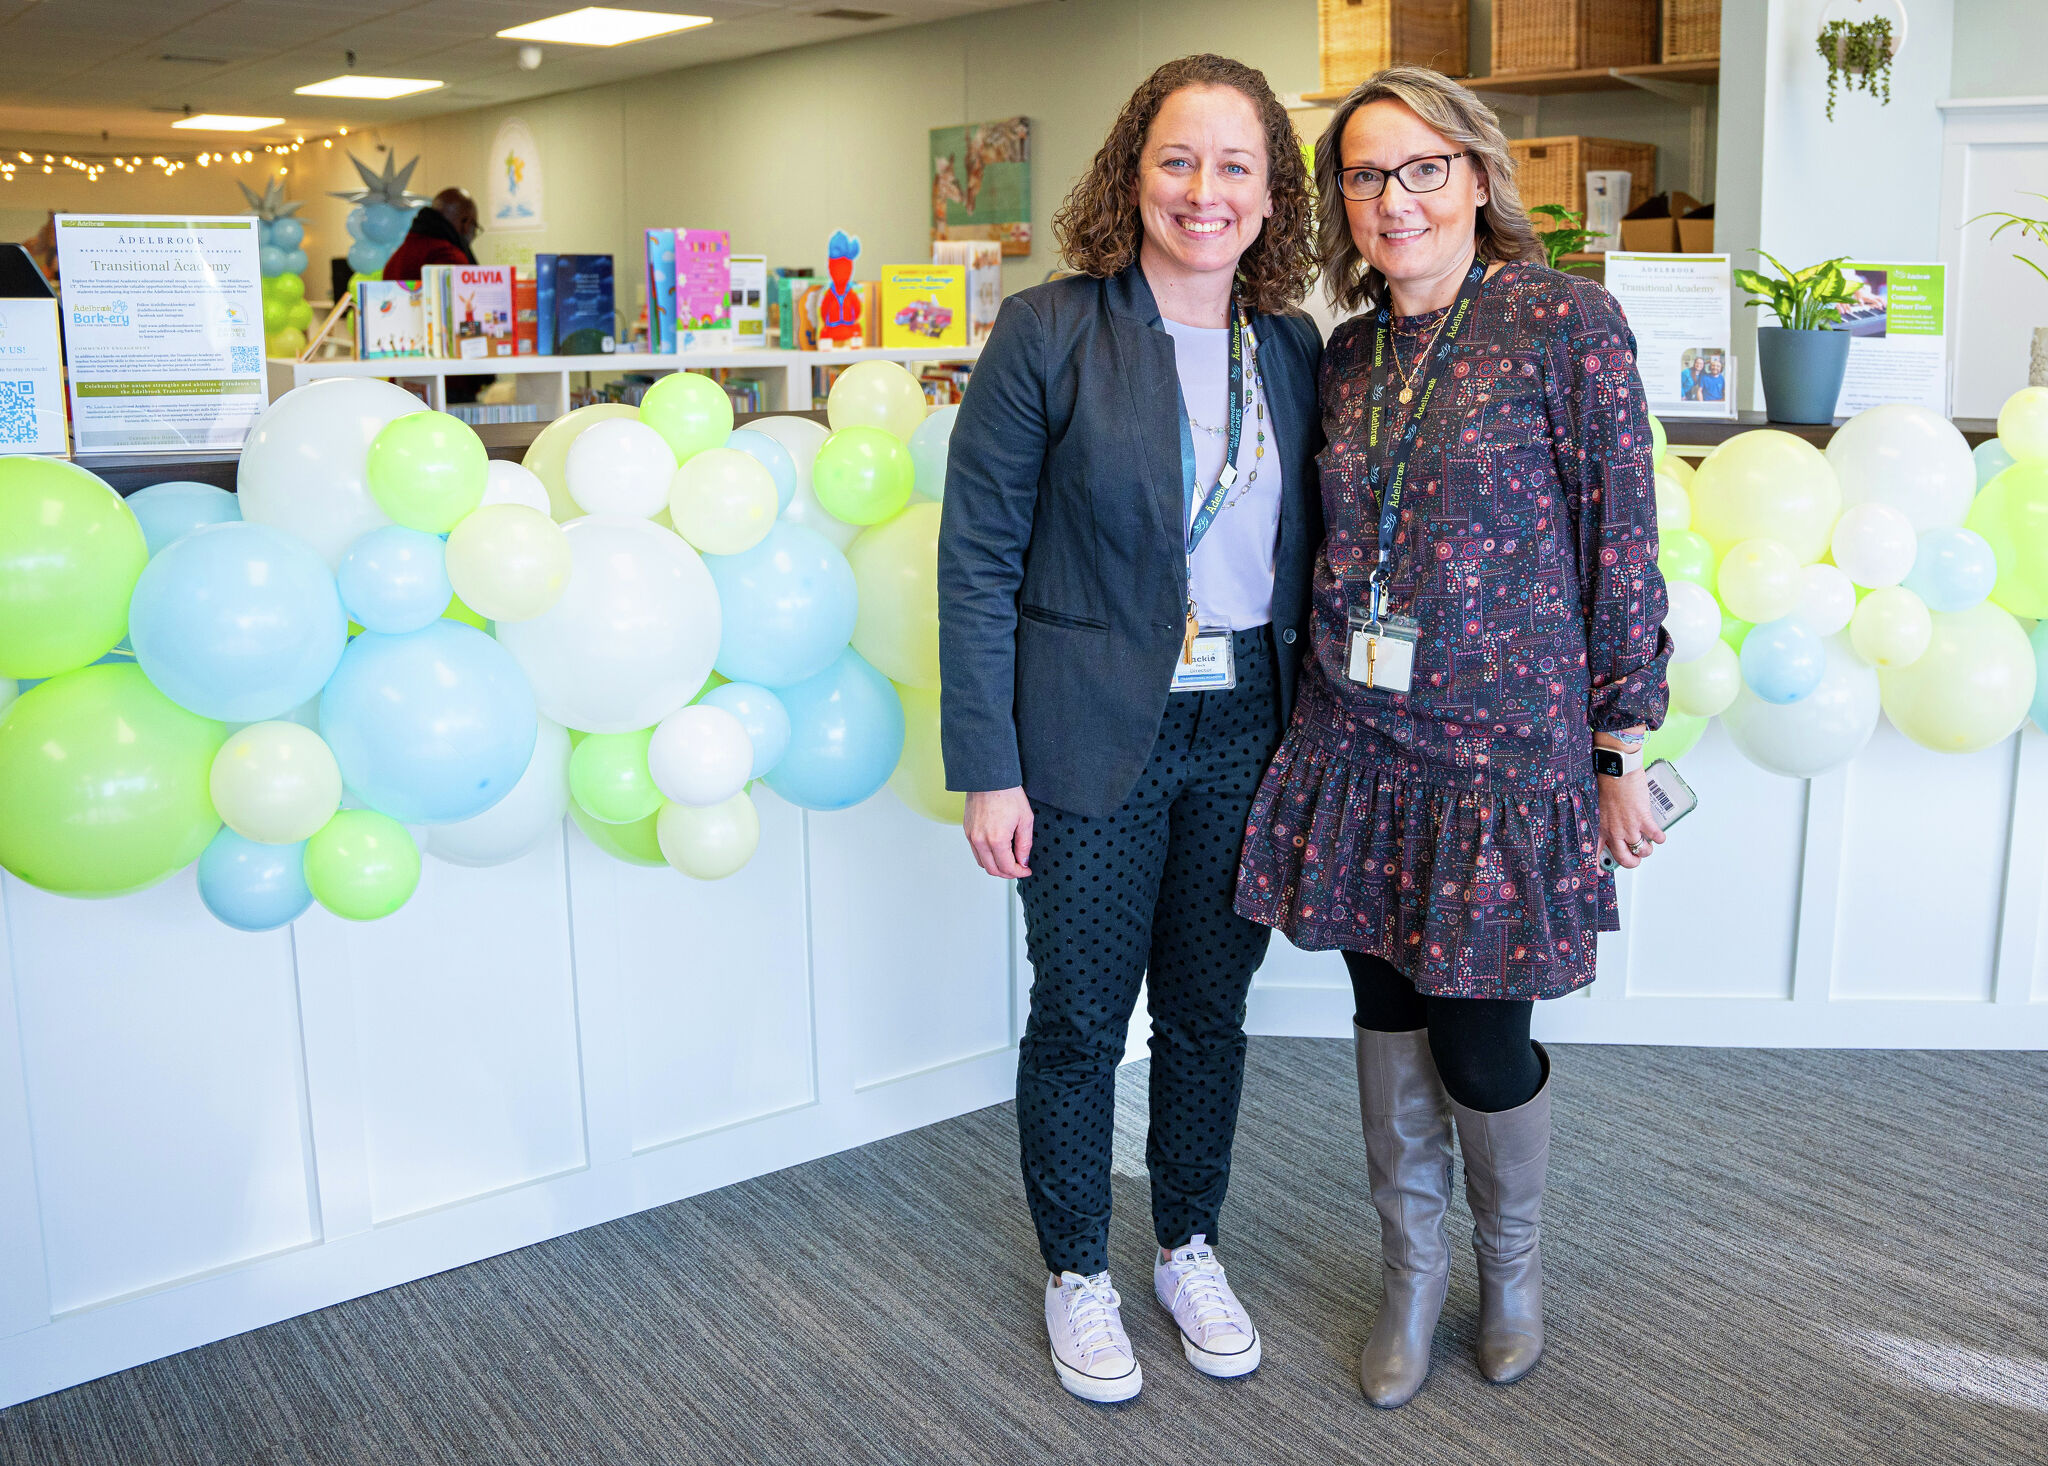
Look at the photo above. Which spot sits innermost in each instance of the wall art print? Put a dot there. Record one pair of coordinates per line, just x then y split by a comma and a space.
981, 183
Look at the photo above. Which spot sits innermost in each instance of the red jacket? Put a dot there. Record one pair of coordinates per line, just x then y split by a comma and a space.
417, 250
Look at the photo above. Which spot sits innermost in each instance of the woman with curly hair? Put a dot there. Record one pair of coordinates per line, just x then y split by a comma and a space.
1488, 656
1130, 522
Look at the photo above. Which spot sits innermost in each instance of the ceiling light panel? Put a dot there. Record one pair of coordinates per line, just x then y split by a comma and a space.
215, 122
381, 87
599, 25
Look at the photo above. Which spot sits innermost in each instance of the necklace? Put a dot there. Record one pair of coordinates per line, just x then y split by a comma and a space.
1408, 377
1251, 400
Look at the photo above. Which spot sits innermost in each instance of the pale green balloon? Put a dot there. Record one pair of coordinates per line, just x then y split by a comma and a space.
276, 783
709, 842
862, 475
70, 554
1676, 738
636, 844
723, 501
362, 865
427, 470
690, 411
608, 777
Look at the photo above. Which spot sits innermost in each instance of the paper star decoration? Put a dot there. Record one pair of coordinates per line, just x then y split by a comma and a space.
385, 188
270, 203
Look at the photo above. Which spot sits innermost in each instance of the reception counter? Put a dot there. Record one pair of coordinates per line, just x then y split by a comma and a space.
203, 1131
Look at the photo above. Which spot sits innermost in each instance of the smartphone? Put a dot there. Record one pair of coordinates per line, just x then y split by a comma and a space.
1671, 800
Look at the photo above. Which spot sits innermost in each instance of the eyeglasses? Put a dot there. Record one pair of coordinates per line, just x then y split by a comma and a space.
1417, 175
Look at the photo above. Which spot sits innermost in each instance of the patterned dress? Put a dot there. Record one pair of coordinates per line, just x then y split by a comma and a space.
1454, 829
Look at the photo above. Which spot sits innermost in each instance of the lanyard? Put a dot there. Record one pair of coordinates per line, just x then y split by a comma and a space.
1387, 466
1243, 346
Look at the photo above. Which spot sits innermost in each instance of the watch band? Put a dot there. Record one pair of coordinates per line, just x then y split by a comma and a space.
1613, 763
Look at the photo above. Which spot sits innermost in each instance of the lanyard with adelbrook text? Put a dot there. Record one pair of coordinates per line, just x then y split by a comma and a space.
1242, 344
1388, 474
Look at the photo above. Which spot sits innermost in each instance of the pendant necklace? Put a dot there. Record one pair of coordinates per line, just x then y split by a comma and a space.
1407, 394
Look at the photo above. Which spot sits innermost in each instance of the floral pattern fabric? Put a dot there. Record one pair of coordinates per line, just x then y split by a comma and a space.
1454, 829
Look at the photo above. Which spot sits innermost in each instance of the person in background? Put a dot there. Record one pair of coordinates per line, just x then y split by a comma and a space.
1130, 515
441, 234
1713, 386
1489, 654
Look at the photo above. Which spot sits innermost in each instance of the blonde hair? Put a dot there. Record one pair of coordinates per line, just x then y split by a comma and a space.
1502, 229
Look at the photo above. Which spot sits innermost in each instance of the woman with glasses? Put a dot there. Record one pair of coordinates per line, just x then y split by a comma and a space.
1488, 658
1130, 523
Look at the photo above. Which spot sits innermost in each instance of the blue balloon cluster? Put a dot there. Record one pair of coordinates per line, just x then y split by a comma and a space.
375, 230
278, 251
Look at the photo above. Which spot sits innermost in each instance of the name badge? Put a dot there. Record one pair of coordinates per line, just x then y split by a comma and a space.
1383, 651
1210, 667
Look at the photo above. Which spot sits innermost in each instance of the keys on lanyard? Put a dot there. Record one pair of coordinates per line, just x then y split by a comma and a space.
1205, 657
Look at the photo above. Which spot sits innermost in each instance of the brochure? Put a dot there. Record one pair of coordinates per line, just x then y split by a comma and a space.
31, 377
1898, 346
389, 319
1678, 307
163, 330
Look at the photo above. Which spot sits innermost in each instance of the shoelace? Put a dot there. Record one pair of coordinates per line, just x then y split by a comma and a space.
1092, 1306
1198, 1281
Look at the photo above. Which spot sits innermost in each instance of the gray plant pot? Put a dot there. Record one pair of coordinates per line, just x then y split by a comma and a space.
1802, 372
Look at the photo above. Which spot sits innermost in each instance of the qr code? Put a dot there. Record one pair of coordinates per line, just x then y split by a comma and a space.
17, 412
245, 359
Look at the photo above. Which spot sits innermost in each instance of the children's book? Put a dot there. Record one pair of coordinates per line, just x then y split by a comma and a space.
389, 321
984, 261
584, 316
924, 305
747, 300
544, 304
703, 289
661, 290
525, 315
469, 310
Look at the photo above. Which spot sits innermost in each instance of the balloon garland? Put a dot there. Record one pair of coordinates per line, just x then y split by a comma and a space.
385, 640
281, 261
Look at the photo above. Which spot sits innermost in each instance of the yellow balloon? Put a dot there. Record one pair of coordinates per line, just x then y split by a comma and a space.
877, 394
275, 782
1679, 468
2023, 424
1971, 689
1767, 484
548, 454
1674, 505
709, 842
920, 777
723, 501
896, 571
1891, 627
508, 562
1706, 685
1759, 581
2006, 513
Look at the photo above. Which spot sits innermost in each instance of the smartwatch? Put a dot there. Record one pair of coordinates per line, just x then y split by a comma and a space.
1613, 763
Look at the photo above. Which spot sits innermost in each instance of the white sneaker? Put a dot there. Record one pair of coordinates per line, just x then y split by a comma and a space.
1090, 1350
1215, 1331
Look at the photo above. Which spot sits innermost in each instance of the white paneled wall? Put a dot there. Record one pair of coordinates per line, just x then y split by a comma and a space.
203, 1131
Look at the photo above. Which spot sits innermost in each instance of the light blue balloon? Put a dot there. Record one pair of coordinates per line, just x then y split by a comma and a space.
761, 713
787, 607
286, 233
773, 457
253, 887
263, 233
354, 222
1992, 460
430, 727
366, 257
294, 262
1953, 569
2038, 638
385, 224
930, 442
845, 736
270, 261
170, 511
237, 621
1783, 661
395, 579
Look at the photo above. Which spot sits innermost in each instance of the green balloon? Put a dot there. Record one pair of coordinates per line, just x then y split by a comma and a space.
362, 865
103, 783
690, 411
1676, 738
2011, 513
1658, 442
1685, 555
70, 554
635, 843
863, 475
459, 610
608, 777
427, 470
1734, 630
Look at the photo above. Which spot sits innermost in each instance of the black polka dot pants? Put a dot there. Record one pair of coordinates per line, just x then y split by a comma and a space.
1147, 890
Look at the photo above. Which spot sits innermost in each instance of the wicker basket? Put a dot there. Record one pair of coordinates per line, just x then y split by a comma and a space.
1360, 37
1552, 170
1572, 35
1692, 30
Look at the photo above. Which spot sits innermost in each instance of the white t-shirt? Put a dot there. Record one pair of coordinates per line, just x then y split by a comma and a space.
1233, 571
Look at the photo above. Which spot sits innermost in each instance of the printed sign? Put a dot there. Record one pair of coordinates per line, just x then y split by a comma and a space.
1677, 306
1898, 338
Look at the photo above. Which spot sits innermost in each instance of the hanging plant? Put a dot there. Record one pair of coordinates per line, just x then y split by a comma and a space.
1858, 48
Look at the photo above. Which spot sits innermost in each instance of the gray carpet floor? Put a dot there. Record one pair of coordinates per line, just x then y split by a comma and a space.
1754, 1256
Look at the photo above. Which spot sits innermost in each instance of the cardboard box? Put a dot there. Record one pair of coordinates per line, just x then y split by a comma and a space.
1652, 227
1696, 231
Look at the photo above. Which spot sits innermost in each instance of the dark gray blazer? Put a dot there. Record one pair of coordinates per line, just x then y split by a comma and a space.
1062, 573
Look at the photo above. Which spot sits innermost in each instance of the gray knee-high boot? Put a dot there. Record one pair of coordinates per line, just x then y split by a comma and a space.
1506, 1156
1407, 1120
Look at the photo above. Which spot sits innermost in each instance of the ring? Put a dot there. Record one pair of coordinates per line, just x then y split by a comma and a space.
1635, 847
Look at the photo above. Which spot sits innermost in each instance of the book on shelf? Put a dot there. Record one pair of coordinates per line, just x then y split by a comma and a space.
747, 300
661, 290
577, 316
924, 305
703, 290
983, 260
389, 320
468, 310
525, 315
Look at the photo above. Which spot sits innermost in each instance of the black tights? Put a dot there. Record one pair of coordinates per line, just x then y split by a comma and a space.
1481, 1045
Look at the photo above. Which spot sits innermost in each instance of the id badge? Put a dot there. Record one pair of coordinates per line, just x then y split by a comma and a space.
1383, 651
1212, 668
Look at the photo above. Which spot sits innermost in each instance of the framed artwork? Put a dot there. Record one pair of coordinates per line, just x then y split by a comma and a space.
981, 183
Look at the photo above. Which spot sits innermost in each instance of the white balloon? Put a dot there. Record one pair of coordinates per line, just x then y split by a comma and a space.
1704, 686
305, 464
1908, 458
1821, 731
631, 639
929, 444
527, 815
1875, 544
700, 755
803, 438
506, 482
1827, 599
620, 466
1693, 619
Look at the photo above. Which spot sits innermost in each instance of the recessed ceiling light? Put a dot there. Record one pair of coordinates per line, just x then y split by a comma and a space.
384, 88
215, 122
599, 25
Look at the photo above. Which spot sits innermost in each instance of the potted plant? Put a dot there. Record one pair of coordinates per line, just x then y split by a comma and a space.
1564, 235
2036, 232
1802, 358
1858, 48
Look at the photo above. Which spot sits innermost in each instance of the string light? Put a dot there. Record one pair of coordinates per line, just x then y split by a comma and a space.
169, 165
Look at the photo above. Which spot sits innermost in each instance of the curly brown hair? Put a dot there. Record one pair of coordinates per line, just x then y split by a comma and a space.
1099, 229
